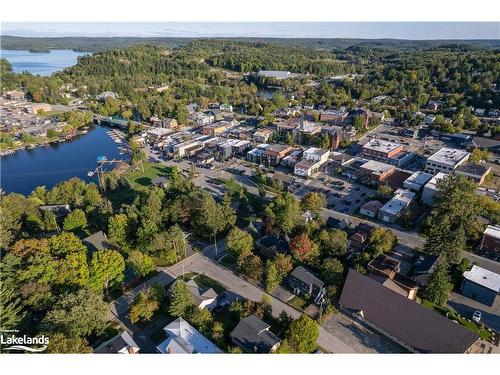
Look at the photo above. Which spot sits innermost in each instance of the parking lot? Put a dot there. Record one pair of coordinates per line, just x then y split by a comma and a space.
490, 315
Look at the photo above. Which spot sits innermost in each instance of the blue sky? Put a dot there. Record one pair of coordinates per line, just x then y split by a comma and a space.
369, 30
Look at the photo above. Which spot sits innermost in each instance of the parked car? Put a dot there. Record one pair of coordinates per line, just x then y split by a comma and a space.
476, 317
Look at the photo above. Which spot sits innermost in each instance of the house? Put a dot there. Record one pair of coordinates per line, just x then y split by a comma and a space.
36, 108
201, 297
393, 209
192, 108
423, 267
160, 181
202, 119
60, 210
376, 172
273, 155
226, 107
333, 223
14, 95
271, 245
380, 150
475, 171
122, 343
302, 282
333, 117
415, 327
359, 239
386, 270
370, 209
491, 144
481, 285
106, 94
97, 241
417, 181
182, 338
253, 335
216, 128
430, 189
276, 74
490, 244
263, 135
446, 160
285, 179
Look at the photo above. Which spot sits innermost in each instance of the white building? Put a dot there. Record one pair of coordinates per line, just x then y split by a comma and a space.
313, 159
180, 149
276, 74
446, 160
417, 181
396, 206
122, 344
430, 189
158, 133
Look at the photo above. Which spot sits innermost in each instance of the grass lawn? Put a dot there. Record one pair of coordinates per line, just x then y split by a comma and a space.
228, 261
206, 282
298, 303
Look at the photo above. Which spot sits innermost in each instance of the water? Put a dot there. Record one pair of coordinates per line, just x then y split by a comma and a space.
26, 169
43, 64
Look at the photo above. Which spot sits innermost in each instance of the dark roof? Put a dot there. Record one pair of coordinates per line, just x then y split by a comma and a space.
331, 222
424, 263
159, 180
476, 169
306, 276
117, 343
253, 335
97, 241
420, 328
57, 209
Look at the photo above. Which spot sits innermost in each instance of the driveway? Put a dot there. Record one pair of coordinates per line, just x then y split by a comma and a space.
466, 306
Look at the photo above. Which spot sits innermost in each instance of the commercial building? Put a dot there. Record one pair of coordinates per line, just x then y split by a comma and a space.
446, 160
183, 149
393, 209
430, 189
274, 154
256, 154
475, 171
313, 159
381, 150
263, 135
417, 181
415, 327
376, 172
217, 128
156, 134
481, 285
490, 243
333, 117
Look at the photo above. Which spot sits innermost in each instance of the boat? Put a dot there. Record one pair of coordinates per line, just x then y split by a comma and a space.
101, 159
90, 173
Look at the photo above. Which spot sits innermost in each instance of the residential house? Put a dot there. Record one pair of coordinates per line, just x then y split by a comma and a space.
359, 239
226, 107
182, 338
393, 209
202, 119
253, 335
304, 282
122, 344
371, 208
60, 210
97, 241
201, 297
490, 243
415, 327
263, 135
481, 285
271, 245
14, 95
285, 179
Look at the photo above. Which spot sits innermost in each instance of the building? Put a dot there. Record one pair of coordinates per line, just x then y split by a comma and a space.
417, 181
285, 179
271, 245
276, 74
216, 128
393, 209
490, 244
226, 107
359, 239
201, 297
160, 181
122, 344
333, 117
202, 119
273, 155
263, 135
97, 241
481, 285
253, 335
381, 150
305, 132
415, 327
106, 94
156, 134
60, 210
256, 154
36, 108
182, 338
302, 282
182, 149
430, 189
167, 122
475, 171
376, 172
313, 159
446, 160
14, 95
370, 209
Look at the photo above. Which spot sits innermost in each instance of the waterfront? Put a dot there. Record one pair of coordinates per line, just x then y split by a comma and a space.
43, 64
24, 170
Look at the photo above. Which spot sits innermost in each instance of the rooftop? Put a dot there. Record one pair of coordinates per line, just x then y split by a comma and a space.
449, 156
303, 274
97, 241
381, 146
492, 231
476, 169
377, 167
253, 334
315, 151
399, 201
418, 179
432, 184
372, 206
279, 74
122, 343
484, 277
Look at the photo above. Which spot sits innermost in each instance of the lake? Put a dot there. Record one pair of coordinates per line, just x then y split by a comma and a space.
24, 170
43, 64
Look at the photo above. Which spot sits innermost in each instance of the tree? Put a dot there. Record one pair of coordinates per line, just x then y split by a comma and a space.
301, 247
478, 154
180, 299
106, 268
60, 343
170, 246
333, 242
137, 155
384, 192
313, 202
49, 221
382, 241
201, 319
144, 306
81, 313
142, 263
250, 265
332, 271
11, 307
238, 242
75, 220
118, 229
285, 209
277, 270
272, 276
303, 334
439, 287
212, 217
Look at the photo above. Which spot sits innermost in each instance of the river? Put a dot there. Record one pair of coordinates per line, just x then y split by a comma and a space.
43, 64
24, 170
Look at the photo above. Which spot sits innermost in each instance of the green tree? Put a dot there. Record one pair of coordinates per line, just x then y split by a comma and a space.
106, 269
238, 242
333, 242
170, 246
439, 287
272, 276
60, 343
303, 334
144, 306
382, 241
141, 263
11, 307
286, 210
118, 230
313, 202
75, 220
250, 265
332, 271
180, 299
384, 192
478, 154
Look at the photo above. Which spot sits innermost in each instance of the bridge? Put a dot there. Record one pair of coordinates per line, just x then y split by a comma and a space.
111, 121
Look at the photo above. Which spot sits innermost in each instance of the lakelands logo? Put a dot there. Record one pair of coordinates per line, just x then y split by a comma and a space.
24, 343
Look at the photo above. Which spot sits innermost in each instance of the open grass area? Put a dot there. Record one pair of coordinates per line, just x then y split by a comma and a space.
298, 303
204, 281
228, 261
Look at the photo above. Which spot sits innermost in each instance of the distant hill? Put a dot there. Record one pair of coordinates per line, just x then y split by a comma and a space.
94, 44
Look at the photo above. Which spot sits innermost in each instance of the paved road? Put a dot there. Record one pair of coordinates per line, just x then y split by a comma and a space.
466, 307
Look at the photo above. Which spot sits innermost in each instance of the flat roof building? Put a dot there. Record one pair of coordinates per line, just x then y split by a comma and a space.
430, 189
396, 206
276, 74
475, 171
381, 150
417, 181
446, 160
481, 285
490, 244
